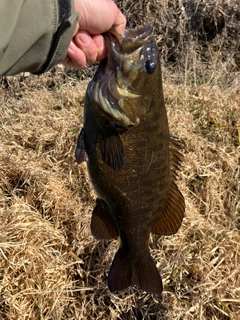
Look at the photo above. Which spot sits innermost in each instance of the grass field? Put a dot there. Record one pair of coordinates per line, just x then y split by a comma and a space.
50, 265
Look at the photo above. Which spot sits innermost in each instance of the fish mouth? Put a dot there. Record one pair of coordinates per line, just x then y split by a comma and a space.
117, 85
131, 40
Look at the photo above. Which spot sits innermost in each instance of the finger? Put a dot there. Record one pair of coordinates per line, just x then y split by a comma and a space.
75, 57
86, 43
119, 23
100, 45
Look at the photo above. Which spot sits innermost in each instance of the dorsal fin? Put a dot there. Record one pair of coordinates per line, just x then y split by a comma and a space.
171, 219
172, 216
176, 157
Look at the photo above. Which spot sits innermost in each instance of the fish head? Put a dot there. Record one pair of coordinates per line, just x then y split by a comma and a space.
125, 83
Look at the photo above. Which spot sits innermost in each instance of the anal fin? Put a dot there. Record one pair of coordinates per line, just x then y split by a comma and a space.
102, 223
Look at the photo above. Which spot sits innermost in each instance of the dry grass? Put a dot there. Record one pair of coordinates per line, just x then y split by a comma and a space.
50, 265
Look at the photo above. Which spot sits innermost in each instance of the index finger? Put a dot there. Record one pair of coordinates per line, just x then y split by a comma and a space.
119, 23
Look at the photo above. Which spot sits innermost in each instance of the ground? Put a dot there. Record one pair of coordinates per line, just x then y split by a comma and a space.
50, 265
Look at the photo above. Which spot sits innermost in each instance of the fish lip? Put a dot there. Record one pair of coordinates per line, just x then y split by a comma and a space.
131, 40
139, 34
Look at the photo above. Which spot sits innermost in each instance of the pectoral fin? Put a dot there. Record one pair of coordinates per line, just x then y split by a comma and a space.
80, 152
102, 224
112, 148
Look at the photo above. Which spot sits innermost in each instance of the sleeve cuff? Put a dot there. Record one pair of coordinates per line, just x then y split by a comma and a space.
62, 37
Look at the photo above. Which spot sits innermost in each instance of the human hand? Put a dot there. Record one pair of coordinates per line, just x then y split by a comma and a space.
95, 17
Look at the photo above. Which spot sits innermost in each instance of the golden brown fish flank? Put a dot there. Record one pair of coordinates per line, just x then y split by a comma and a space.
132, 158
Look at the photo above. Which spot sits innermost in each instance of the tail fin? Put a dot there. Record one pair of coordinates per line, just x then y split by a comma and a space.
141, 272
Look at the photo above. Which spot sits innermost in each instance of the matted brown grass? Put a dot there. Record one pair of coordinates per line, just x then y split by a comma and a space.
50, 265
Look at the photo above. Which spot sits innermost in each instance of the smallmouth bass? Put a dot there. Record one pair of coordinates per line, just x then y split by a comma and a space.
131, 157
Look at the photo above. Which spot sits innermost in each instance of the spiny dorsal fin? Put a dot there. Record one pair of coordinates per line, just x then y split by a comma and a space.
176, 157
102, 223
171, 219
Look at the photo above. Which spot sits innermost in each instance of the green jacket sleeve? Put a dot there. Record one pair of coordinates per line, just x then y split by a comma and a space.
34, 34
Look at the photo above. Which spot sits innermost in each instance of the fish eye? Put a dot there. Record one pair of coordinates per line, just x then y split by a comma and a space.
150, 66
